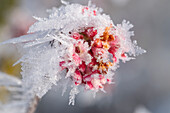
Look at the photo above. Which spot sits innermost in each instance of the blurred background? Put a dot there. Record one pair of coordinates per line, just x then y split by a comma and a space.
142, 85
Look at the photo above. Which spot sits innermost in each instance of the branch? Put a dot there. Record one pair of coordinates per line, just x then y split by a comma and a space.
33, 105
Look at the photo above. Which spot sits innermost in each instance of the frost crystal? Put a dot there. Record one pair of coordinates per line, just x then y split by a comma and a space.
75, 46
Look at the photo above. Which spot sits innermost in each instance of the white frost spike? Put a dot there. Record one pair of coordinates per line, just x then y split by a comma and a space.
25, 38
64, 2
138, 49
75, 43
74, 91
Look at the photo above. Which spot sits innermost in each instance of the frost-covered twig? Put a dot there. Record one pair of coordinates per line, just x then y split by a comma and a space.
33, 105
75, 44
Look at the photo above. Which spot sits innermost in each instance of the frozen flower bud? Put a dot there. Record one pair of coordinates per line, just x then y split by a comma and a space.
75, 46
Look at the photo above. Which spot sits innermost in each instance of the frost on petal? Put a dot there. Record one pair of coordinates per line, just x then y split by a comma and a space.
76, 46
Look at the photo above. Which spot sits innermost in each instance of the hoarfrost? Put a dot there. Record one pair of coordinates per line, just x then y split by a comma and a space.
74, 91
62, 42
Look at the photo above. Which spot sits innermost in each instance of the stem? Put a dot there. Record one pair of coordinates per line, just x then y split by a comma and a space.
33, 105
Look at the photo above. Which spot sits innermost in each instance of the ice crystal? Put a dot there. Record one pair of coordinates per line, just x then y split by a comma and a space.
76, 46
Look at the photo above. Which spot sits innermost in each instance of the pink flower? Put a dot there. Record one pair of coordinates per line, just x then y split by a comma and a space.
87, 78
90, 85
76, 36
61, 65
76, 59
92, 74
98, 51
98, 43
90, 32
77, 77
93, 62
82, 67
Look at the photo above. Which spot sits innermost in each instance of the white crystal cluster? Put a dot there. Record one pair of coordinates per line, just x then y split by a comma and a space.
49, 43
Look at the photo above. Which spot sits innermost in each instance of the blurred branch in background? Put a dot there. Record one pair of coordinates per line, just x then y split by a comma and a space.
14, 21
4, 94
13, 98
11, 93
141, 109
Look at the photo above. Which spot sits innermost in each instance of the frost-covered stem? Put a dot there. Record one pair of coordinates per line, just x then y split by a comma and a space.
33, 105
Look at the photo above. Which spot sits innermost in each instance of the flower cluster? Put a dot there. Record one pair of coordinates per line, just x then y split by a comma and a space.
75, 46
102, 54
